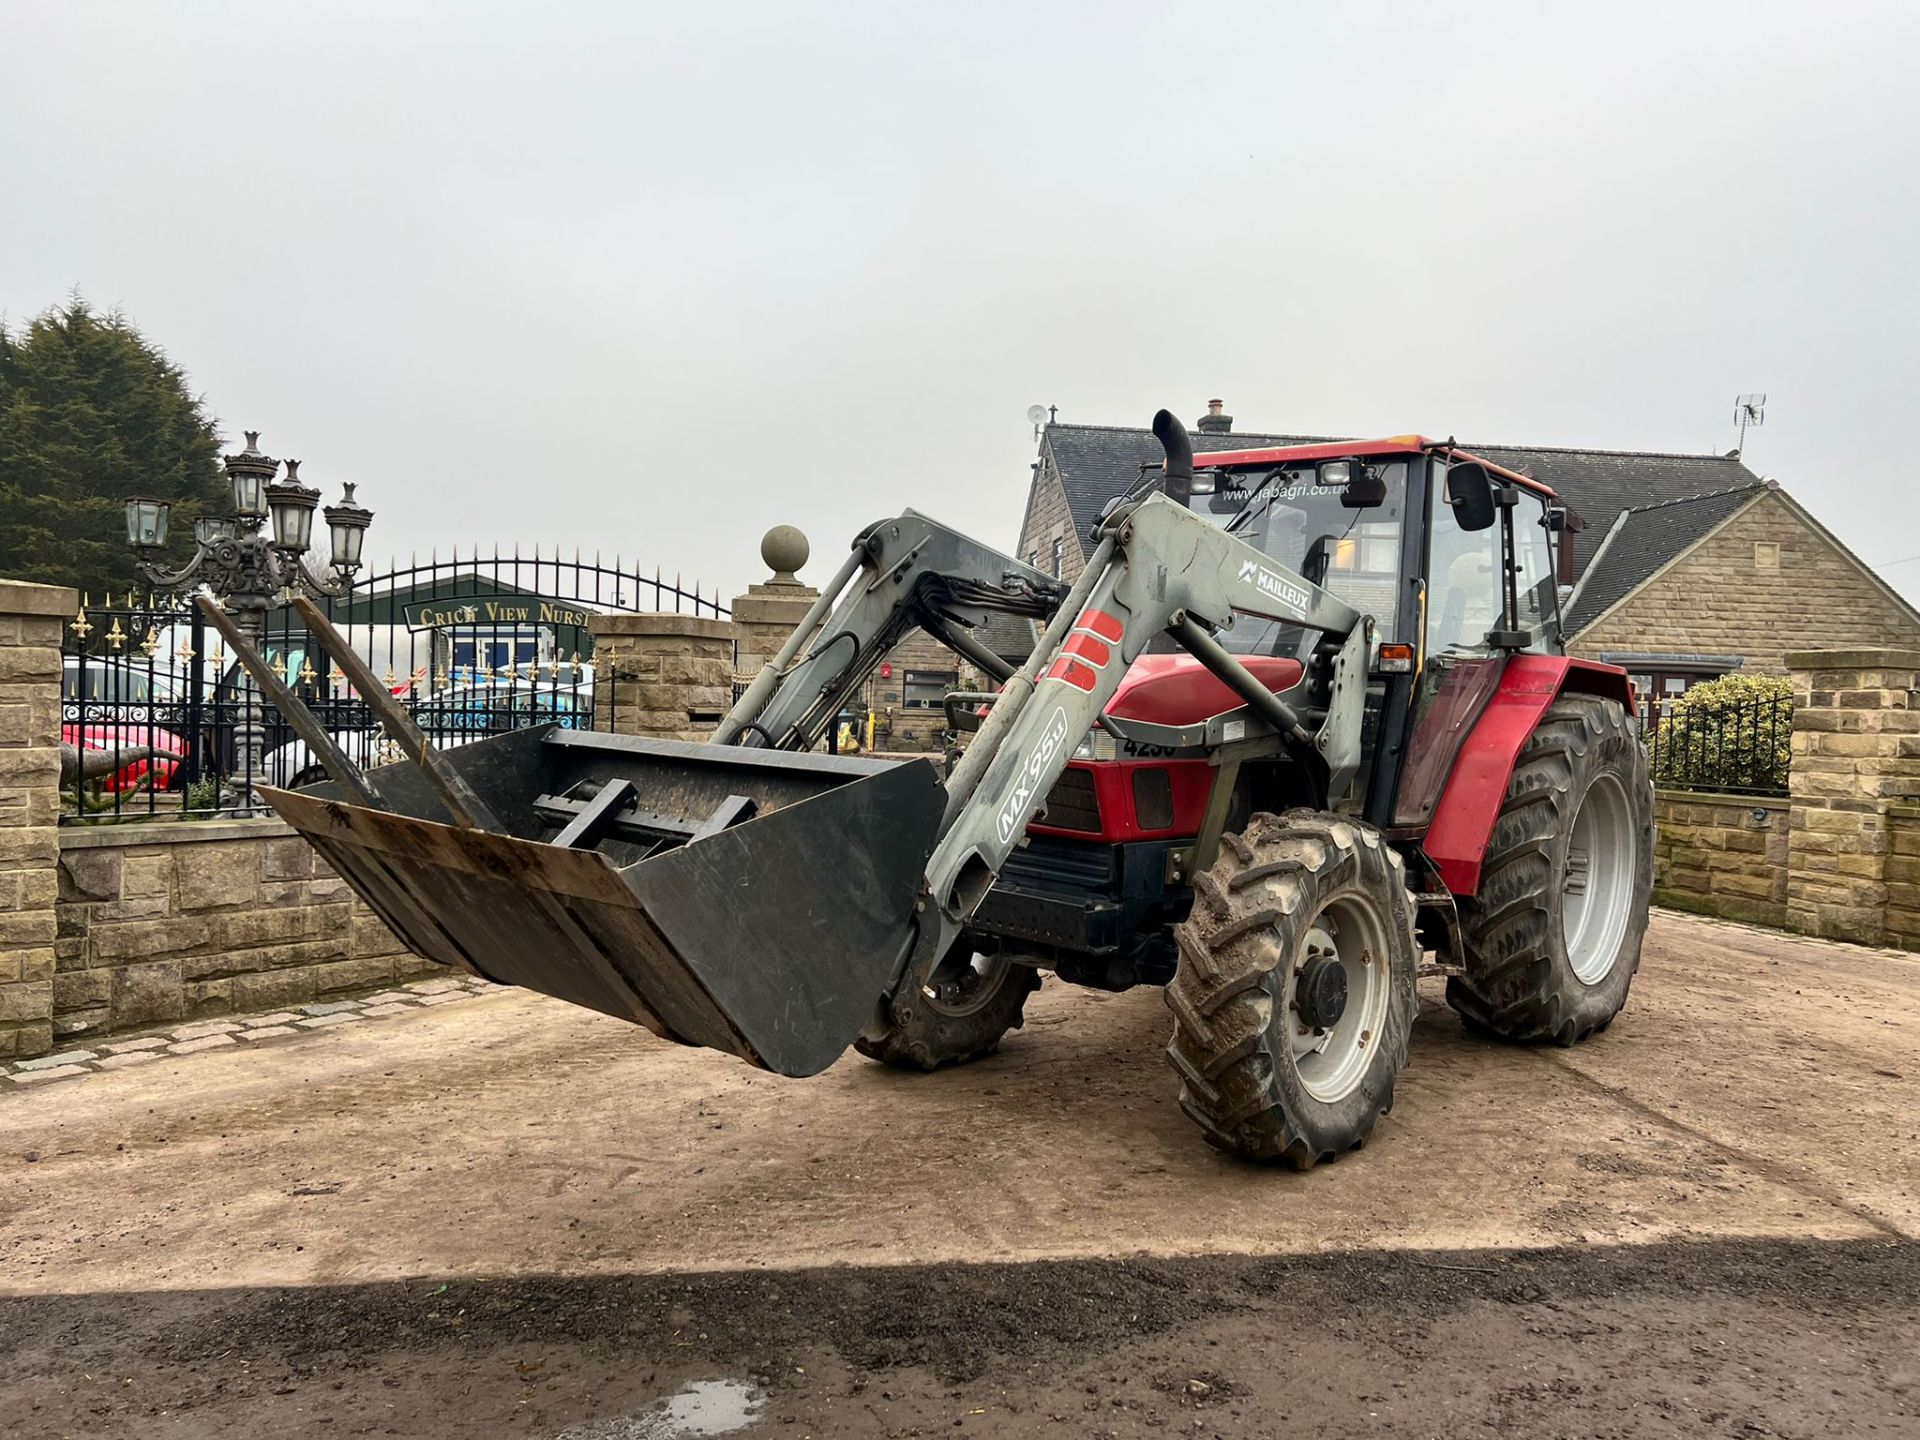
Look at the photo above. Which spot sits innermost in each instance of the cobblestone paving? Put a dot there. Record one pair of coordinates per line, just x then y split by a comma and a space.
118, 1052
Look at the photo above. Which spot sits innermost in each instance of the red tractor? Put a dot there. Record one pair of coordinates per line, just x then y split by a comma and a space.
1304, 717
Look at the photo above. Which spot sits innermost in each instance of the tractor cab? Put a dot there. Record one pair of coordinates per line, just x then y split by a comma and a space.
1453, 558
1418, 535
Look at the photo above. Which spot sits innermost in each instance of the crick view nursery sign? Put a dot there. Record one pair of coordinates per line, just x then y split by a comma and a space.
494, 610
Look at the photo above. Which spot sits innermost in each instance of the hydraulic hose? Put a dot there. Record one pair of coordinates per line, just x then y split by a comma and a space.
1018, 688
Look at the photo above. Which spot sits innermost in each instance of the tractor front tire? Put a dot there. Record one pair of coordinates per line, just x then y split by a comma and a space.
1295, 994
1553, 938
971, 1004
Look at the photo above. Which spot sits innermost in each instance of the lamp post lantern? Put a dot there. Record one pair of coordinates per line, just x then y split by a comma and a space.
252, 558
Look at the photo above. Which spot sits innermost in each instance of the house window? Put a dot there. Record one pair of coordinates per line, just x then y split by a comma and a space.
1059, 550
925, 689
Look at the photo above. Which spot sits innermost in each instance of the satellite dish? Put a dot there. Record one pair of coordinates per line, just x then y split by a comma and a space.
1036, 414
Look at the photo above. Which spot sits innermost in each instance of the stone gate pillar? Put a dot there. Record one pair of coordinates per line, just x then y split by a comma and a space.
30, 621
765, 616
667, 677
1856, 772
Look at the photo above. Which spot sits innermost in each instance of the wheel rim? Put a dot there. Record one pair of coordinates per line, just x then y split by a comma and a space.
965, 984
1331, 1060
1597, 891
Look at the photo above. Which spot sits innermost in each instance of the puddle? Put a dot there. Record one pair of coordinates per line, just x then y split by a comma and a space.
704, 1407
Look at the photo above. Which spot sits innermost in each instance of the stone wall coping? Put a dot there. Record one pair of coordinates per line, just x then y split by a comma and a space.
23, 597
169, 832
701, 627
781, 590
1718, 797
1869, 659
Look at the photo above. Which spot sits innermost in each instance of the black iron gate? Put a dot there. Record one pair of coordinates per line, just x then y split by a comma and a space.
161, 720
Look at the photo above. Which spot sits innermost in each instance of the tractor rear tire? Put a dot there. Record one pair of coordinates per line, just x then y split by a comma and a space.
964, 1021
1274, 1065
1553, 938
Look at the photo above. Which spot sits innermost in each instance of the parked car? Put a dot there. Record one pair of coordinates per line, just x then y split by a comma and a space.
110, 705
451, 717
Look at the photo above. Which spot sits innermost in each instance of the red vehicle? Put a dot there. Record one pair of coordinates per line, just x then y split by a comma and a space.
1304, 719
114, 707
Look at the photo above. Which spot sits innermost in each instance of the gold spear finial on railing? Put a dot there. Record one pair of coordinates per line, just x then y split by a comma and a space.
307, 674
79, 624
116, 637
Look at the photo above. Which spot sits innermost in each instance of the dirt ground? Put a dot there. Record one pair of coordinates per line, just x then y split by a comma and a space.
511, 1217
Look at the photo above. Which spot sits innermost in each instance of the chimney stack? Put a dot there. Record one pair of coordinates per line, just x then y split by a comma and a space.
1214, 422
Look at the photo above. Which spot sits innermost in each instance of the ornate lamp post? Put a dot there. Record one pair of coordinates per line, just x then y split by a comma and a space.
250, 563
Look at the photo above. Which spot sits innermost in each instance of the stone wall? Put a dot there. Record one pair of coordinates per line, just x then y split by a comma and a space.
771, 611
1768, 581
1722, 855
183, 919
30, 621
1855, 777
668, 677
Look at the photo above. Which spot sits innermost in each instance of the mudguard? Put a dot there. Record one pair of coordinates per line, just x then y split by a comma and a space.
1456, 840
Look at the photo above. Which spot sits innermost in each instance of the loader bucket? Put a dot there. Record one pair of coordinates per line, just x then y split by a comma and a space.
758, 902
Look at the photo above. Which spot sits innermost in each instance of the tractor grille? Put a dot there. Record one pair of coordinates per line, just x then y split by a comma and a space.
1070, 803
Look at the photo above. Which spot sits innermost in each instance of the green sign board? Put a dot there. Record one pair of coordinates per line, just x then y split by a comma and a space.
490, 610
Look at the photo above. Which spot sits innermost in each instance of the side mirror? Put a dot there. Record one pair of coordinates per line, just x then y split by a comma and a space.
1470, 492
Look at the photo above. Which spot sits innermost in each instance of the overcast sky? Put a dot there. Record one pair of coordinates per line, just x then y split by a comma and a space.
653, 278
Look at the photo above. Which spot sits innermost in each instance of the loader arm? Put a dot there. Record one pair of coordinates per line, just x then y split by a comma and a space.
905, 573
1157, 568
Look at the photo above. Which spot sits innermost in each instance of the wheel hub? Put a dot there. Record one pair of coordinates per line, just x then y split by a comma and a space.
1320, 992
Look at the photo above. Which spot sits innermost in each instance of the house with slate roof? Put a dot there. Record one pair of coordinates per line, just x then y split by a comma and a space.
1679, 567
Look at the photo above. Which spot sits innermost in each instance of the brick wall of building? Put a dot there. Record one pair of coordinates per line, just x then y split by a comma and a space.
898, 726
1766, 583
1048, 519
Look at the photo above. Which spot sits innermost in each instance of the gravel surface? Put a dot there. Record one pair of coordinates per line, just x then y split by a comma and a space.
510, 1217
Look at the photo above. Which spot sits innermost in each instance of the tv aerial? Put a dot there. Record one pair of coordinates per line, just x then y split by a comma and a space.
1749, 410
1037, 416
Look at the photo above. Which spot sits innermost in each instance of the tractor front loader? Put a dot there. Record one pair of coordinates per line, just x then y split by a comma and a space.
1301, 718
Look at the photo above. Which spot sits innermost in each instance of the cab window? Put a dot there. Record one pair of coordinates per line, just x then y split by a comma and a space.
1463, 581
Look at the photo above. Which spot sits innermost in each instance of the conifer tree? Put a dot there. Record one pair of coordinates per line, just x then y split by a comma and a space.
90, 413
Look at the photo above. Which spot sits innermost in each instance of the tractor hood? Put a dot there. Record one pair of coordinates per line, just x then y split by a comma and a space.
1179, 690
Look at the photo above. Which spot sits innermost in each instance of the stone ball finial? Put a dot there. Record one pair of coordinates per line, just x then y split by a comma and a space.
785, 550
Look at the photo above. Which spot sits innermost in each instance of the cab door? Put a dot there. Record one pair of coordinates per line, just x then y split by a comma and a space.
1458, 670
